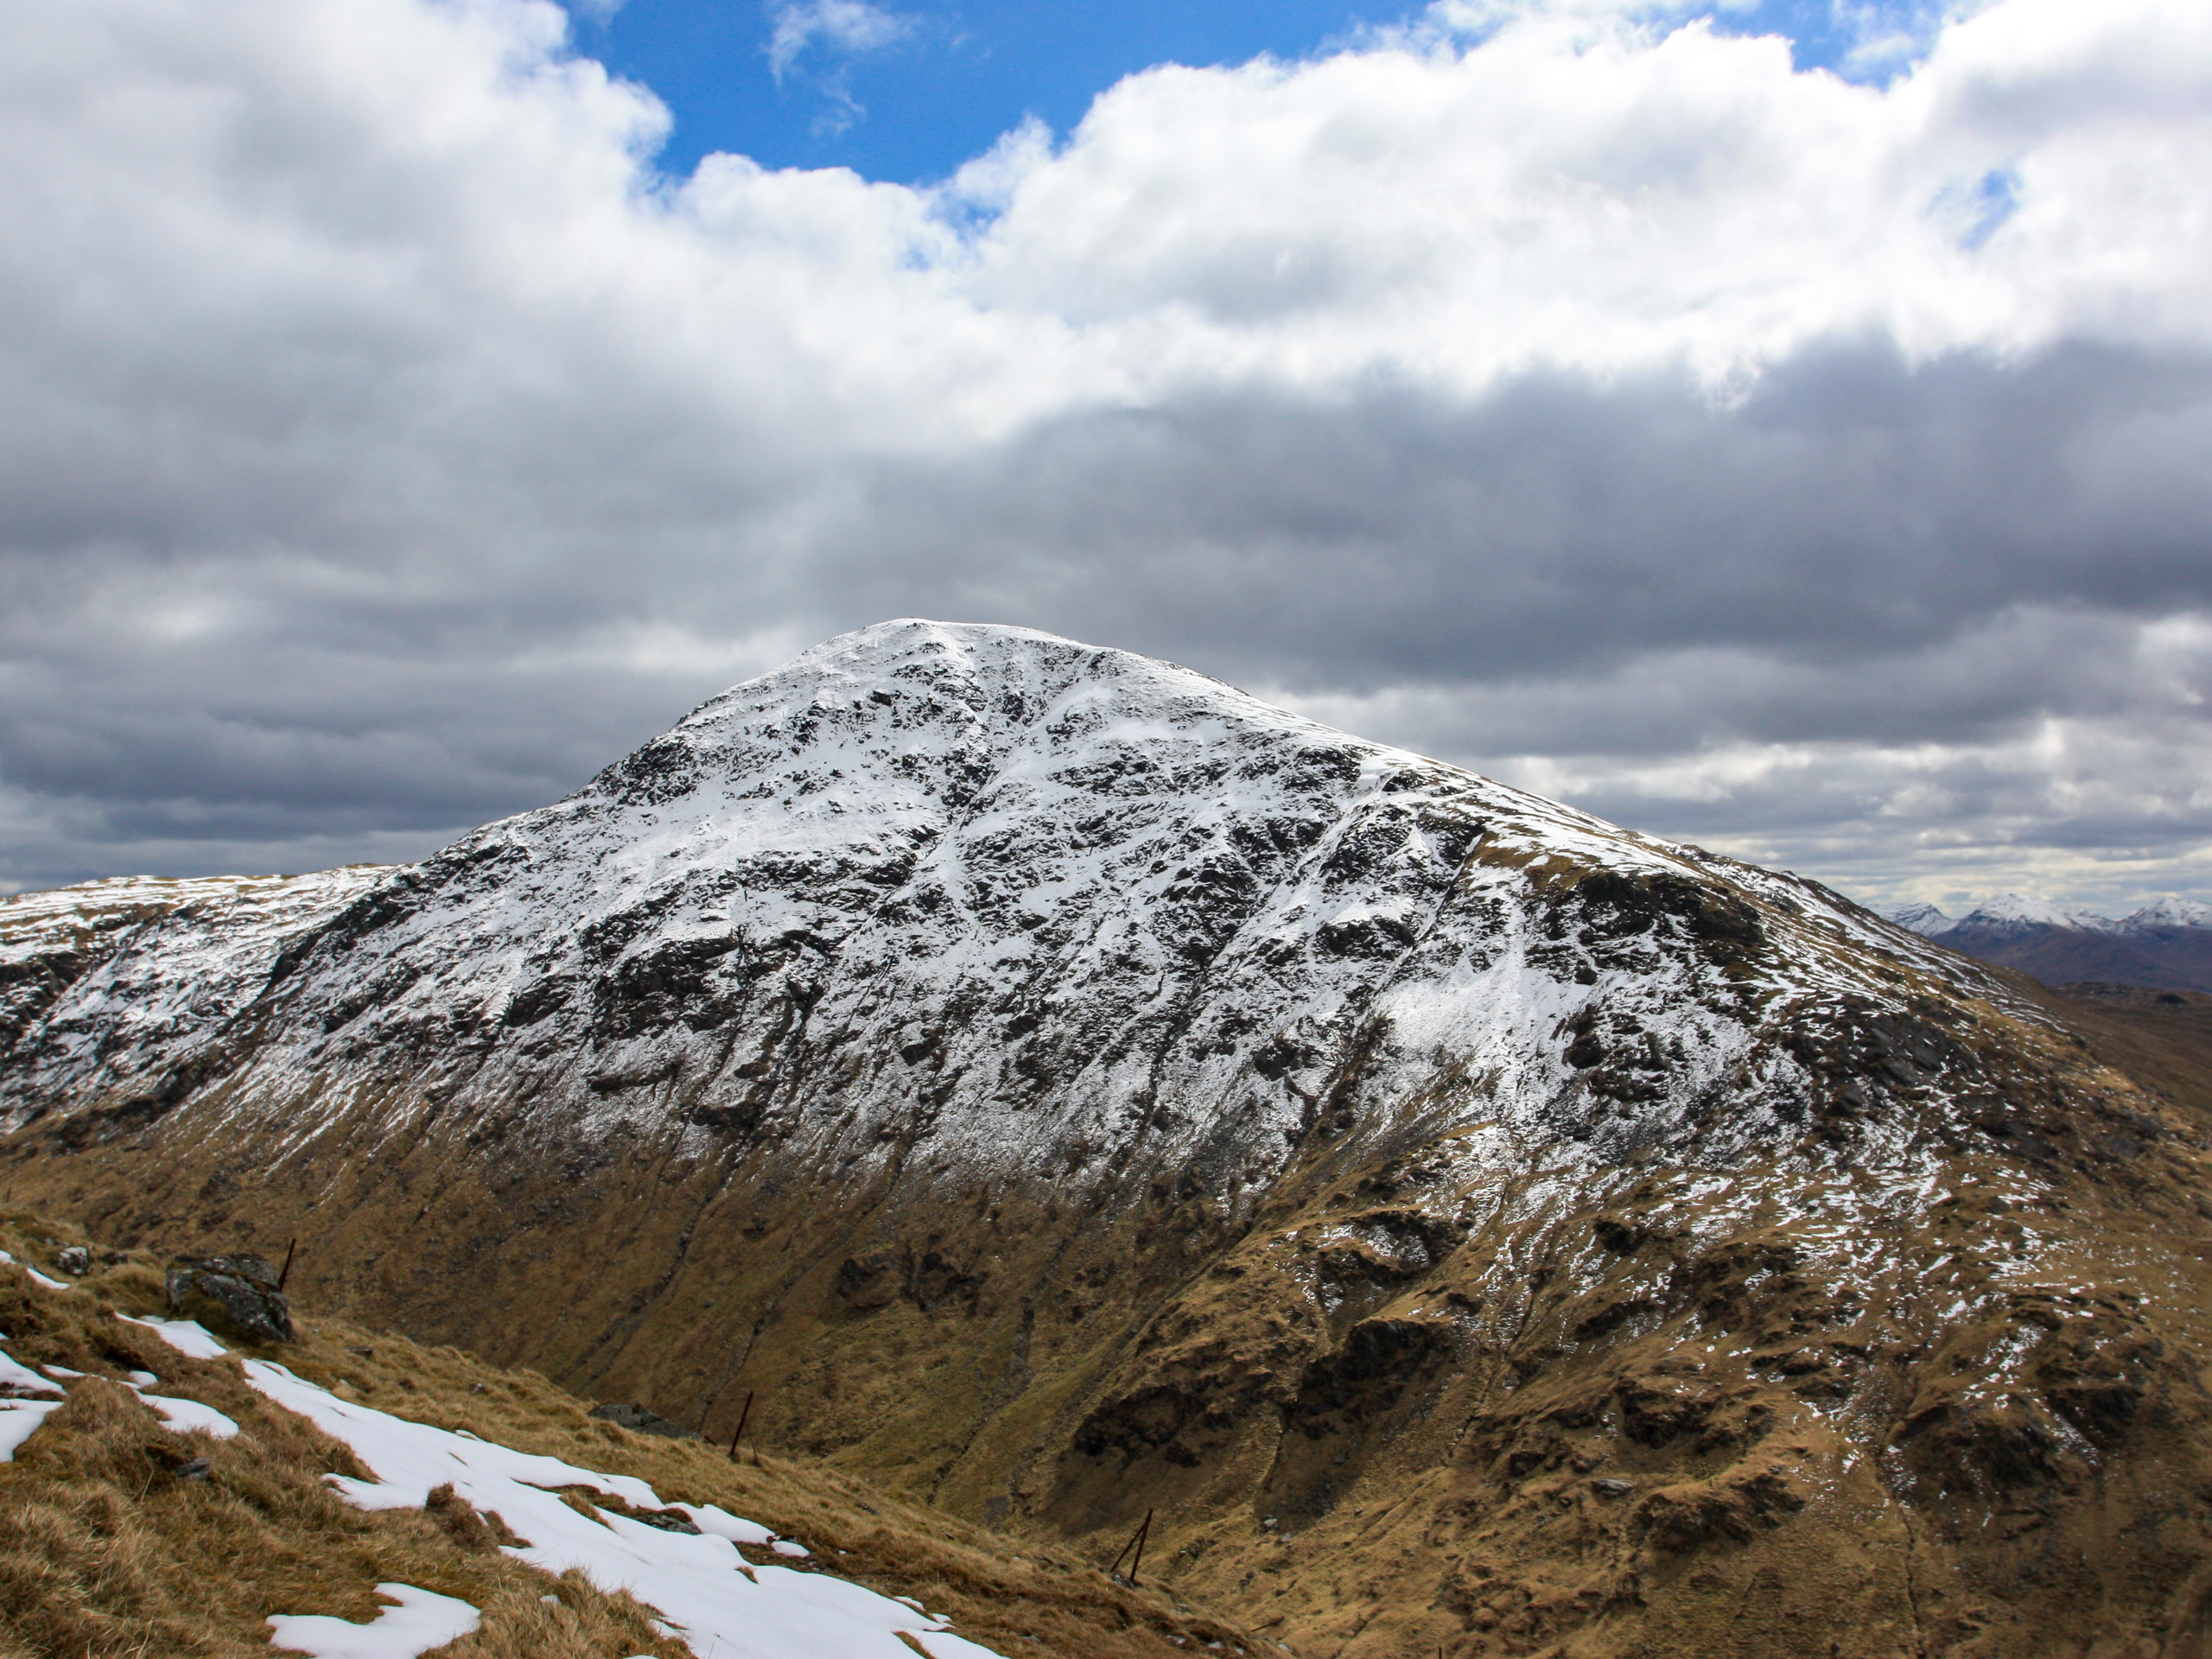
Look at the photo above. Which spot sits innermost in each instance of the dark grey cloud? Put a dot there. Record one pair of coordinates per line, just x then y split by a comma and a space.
381, 450
1851, 508
1860, 552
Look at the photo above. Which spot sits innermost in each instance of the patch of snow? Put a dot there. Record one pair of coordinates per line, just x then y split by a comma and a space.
786, 1547
419, 1620
723, 1524
190, 1417
692, 1581
51, 1284
19, 1420
188, 1337
18, 1378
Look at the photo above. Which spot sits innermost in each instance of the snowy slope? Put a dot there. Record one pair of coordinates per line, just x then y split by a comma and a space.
1047, 907
140, 971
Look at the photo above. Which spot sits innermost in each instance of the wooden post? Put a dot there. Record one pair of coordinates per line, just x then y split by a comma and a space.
741, 1416
289, 1251
1135, 1543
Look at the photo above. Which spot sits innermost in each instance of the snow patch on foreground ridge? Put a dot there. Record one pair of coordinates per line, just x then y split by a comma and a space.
704, 1590
419, 1620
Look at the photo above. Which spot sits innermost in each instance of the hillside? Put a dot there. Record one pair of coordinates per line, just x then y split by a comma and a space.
2161, 1039
170, 1502
1059, 1087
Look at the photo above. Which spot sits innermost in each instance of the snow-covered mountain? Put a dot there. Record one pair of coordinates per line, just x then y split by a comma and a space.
2167, 913
1041, 906
2167, 944
2015, 911
1057, 1082
175, 958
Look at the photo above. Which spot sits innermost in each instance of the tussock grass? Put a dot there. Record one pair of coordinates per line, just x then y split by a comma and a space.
996, 1590
110, 1546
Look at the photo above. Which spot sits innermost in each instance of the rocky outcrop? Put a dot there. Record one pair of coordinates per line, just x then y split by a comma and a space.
236, 1295
1065, 1087
634, 1415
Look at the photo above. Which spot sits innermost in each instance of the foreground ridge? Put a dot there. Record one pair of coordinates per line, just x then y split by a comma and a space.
1061, 1085
165, 1489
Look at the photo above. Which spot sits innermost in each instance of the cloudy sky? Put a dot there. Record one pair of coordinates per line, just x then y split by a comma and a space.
1788, 427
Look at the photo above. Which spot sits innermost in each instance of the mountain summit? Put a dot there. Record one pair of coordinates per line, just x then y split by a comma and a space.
1048, 910
1059, 1083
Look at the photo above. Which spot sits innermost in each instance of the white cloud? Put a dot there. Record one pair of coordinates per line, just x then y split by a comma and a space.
384, 445
841, 25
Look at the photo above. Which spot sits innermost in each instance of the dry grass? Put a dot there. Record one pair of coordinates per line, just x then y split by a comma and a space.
107, 1548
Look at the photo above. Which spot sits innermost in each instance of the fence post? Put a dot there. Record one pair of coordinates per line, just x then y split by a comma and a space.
741, 1416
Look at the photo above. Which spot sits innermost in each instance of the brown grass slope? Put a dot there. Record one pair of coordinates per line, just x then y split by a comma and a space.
1761, 1410
110, 1545
2176, 959
2161, 1039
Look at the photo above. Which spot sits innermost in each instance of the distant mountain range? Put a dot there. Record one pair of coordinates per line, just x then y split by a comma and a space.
2167, 945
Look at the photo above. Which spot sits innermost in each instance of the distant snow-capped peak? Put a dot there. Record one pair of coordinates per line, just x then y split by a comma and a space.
2017, 910
2168, 912
1924, 919
2012, 913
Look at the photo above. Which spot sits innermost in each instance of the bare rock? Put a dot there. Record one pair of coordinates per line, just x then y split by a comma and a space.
236, 1294
637, 1417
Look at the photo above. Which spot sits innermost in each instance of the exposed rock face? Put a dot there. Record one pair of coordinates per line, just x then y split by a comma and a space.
1054, 1081
237, 1295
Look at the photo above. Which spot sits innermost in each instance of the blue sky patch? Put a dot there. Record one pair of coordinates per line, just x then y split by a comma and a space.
907, 91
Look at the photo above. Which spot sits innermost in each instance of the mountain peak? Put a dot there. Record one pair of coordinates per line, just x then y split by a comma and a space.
2168, 914
2017, 910
1099, 890
1923, 918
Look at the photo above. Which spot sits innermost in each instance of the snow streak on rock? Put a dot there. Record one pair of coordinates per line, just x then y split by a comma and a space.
139, 977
